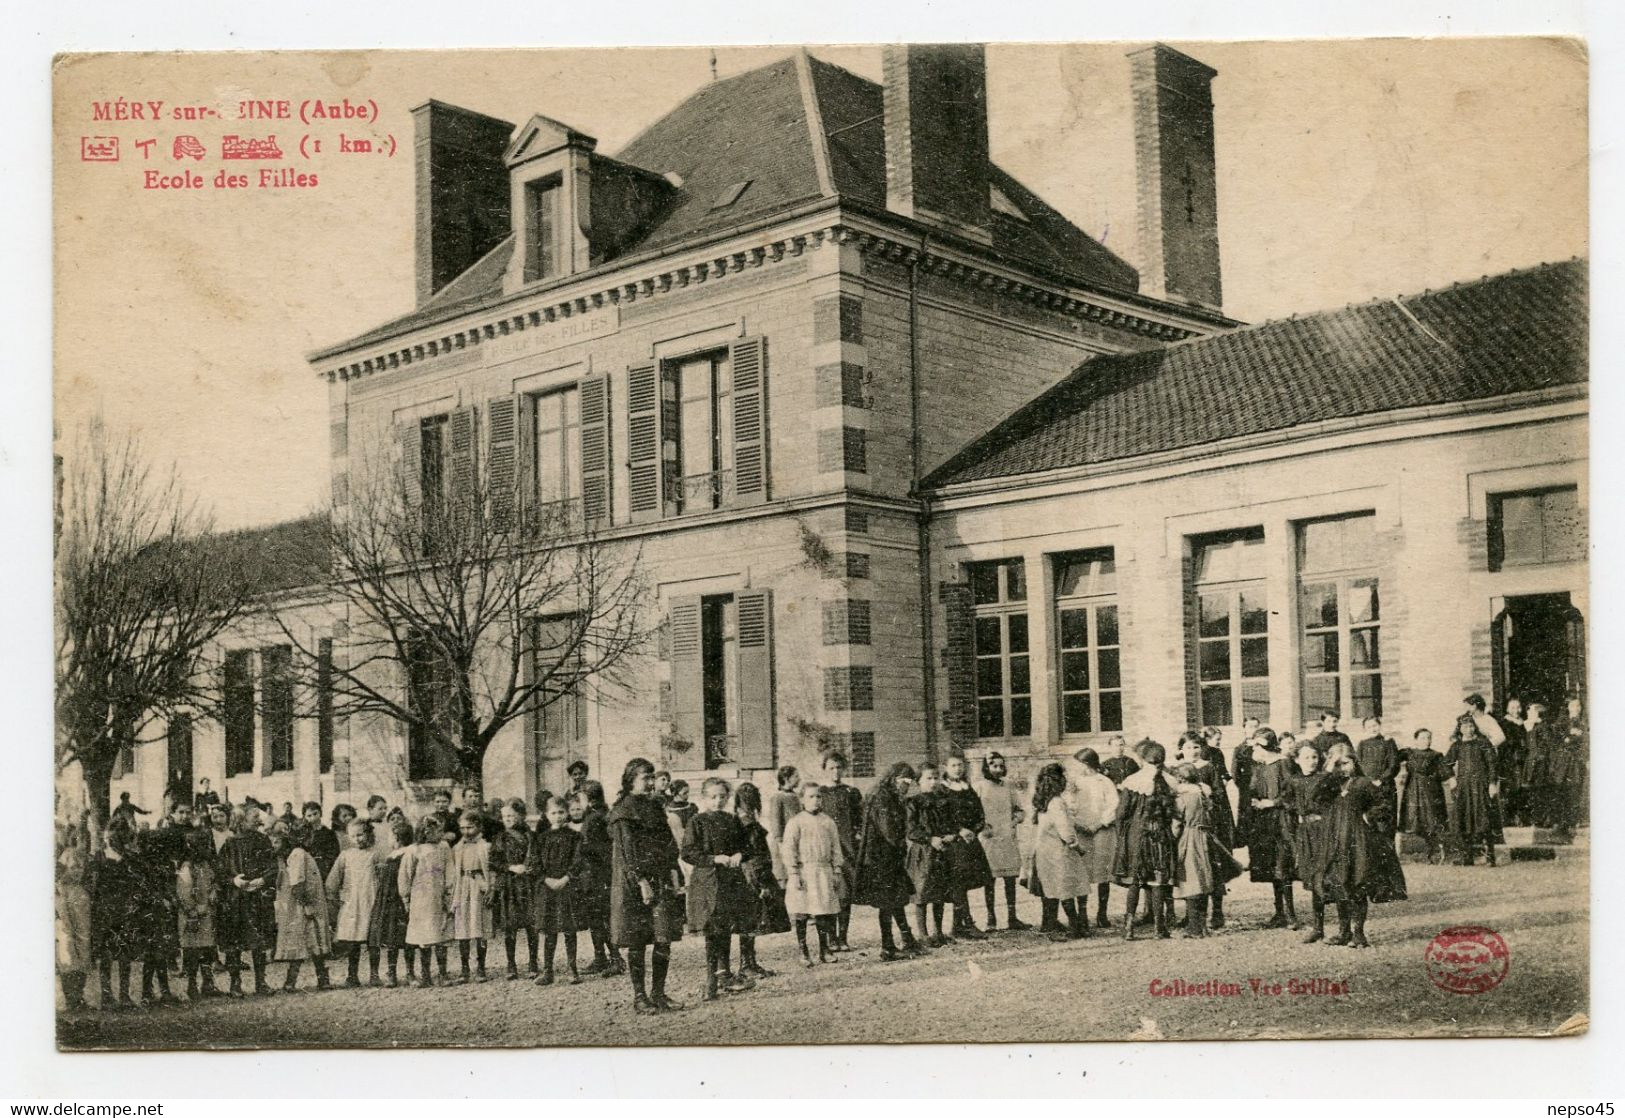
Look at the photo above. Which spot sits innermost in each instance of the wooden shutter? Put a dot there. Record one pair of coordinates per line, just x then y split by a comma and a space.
750, 421
409, 437
502, 462
755, 646
643, 442
595, 480
688, 676
671, 470
464, 488
959, 662
525, 468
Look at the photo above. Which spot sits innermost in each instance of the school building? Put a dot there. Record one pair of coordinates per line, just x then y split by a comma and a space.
913, 462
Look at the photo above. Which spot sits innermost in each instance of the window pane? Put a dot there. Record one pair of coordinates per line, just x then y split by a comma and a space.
1075, 714
1255, 701
989, 676
1321, 695
1074, 628
1015, 582
1320, 652
1074, 671
549, 458
1520, 528
1255, 657
1359, 546
1216, 706
1363, 605
990, 718
1366, 693
1107, 668
1020, 684
1363, 651
988, 639
1562, 527
1231, 558
1319, 607
984, 583
1085, 574
1214, 660
1021, 717
1111, 710
1106, 624
1320, 542
1255, 610
1215, 615
1018, 632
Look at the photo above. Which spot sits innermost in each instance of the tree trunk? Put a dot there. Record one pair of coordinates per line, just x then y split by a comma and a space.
98, 791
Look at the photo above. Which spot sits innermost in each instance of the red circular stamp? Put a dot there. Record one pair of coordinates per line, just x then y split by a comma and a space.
1467, 960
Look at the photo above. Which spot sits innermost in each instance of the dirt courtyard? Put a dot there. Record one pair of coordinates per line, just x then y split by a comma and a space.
1015, 987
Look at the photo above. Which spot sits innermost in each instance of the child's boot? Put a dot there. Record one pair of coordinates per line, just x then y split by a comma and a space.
261, 987
1361, 907
1292, 920
1342, 936
191, 982
352, 973
290, 983
1318, 931
209, 989
1217, 907
322, 981
372, 968
1159, 910
1195, 918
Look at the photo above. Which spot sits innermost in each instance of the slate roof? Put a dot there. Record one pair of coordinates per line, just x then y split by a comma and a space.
756, 127
1515, 332
277, 557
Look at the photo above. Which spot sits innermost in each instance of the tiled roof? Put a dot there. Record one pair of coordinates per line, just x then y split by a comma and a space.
755, 127
277, 557
1504, 334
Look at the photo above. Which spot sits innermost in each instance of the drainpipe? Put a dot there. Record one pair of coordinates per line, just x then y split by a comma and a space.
922, 519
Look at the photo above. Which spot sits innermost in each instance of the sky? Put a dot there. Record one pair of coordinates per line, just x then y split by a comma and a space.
1347, 170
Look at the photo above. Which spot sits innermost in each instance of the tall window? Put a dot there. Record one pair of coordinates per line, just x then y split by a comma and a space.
1004, 705
238, 714
558, 447
542, 254
704, 388
1341, 614
1088, 642
719, 656
1538, 526
276, 714
559, 728
324, 704
1232, 629
432, 697
434, 430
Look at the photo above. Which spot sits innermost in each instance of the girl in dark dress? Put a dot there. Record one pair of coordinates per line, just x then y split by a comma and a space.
513, 888
1471, 761
554, 866
1309, 796
1422, 810
1218, 783
247, 916
386, 929
882, 879
1147, 855
1569, 771
764, 912
718, 895
930, 829
1269, 825
1362, 867
589, 815
967, 857
115, 893
644, 883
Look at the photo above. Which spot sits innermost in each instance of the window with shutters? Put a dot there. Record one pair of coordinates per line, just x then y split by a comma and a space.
1340, 615
722, 678
324, 704
1088, 642
557, 465
702, 387
431, 695
1536, 526
544, 229
276, 707
719, 657
1231, 635
435, 458
237, 715
558, 730
1004, 705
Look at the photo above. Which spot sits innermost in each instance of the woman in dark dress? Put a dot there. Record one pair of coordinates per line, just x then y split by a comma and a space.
882, 877
764, 913
1570, 768
246, 920
1422, 810
1471, 761
645, 908
1310, 797
967, 858
1363, 867
1147, 854
1270, 825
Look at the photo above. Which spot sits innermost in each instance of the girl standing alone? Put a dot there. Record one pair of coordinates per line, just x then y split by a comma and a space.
644, 908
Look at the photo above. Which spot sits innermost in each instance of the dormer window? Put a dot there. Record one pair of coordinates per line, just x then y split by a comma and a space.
543, 229
730, 195
1003, 205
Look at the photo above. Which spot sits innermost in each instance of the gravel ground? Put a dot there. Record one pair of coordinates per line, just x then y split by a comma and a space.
1015, 987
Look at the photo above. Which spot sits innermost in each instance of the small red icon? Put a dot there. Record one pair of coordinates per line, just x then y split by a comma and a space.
188, 146
98, 149
247, 147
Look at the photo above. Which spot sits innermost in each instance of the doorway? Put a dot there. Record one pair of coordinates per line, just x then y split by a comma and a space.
179, 780
1540, 652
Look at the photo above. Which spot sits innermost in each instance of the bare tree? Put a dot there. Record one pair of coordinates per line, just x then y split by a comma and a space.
142, 595
470, 609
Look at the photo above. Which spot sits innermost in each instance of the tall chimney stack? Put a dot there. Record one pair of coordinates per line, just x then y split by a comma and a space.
935, 100
1174, 172
462, 191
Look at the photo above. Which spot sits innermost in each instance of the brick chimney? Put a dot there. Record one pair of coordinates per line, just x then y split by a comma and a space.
462, 191
1173, 157
936, 135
